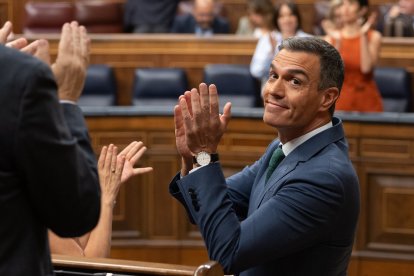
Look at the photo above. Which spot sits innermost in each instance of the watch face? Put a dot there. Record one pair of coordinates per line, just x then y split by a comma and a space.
203, 158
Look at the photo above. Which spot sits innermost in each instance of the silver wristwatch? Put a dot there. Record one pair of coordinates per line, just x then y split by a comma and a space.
204, 158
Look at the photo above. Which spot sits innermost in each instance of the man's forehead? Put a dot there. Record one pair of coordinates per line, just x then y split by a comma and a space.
296, 60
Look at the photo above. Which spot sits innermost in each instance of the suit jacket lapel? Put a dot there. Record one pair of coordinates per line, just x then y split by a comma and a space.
302, 153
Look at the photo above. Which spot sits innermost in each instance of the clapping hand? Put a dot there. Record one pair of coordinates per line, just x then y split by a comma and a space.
35, 48
198, 124
133, 152
72, 61
110, 169
369, 23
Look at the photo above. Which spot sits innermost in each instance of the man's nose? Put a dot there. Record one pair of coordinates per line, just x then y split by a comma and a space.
275, 87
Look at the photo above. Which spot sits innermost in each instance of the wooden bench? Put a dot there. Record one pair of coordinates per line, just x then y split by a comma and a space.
65, 265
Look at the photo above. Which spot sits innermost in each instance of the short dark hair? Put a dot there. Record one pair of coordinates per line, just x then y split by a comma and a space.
293, 8
331, 64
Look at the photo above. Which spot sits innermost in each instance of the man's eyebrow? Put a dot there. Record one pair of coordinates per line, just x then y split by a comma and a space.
292, 71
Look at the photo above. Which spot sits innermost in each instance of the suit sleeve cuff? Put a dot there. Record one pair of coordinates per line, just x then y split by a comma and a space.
67, 102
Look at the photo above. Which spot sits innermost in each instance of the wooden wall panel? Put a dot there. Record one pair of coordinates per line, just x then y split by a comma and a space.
4, 11
390, 216
382, 148
163, 218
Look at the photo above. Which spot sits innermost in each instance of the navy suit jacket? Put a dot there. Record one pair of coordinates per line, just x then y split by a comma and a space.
187, 24
48, 176
302, 222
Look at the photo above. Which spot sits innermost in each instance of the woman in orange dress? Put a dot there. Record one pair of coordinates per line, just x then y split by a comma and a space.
359, 47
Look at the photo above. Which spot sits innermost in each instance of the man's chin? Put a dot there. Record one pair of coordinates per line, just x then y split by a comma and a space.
269, 119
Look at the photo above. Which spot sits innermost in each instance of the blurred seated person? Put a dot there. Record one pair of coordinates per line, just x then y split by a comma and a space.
113, 170
202, 21
359, 46
288, 24
259, 19
149, 16
332, 24
398, 20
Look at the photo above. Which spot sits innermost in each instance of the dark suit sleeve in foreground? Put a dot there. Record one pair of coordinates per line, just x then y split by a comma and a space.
55, 157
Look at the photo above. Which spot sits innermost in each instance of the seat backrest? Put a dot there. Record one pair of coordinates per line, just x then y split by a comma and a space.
159, 86
100, 86
234, 83
100, 16
47, 17
394, 85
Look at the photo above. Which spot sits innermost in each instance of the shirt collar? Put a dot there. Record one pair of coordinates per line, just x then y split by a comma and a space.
293, 144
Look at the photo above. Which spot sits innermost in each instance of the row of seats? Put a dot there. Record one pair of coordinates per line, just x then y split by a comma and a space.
96, 16
162, 86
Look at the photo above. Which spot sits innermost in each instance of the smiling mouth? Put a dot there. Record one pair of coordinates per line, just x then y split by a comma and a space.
276, 104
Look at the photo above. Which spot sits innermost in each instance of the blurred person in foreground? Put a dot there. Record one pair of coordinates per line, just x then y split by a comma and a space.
295, 210
48, 176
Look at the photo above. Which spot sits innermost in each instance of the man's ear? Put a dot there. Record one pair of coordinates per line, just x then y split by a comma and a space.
330, 95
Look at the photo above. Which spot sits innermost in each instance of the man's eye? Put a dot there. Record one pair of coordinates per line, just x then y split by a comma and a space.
295, 81
273, 75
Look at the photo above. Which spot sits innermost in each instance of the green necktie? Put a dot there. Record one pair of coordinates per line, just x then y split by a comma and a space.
277, 157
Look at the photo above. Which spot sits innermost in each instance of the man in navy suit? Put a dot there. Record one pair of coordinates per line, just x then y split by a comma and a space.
202, 21
298, 218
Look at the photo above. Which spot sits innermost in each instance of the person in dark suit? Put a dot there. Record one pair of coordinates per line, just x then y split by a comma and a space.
149, 16
397, 20
48, 176
295, 210
202, 21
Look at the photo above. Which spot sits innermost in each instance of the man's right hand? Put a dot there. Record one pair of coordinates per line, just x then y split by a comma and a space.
198, 124
72, 61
